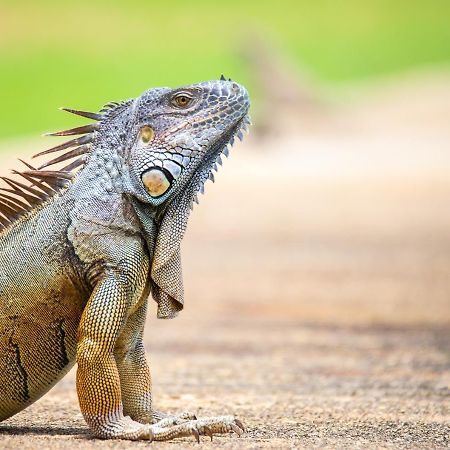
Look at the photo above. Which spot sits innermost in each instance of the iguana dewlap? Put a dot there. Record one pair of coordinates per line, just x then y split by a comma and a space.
86, 237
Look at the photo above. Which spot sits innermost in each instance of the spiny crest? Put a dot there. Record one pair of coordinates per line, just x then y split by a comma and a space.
18, 198
223, 78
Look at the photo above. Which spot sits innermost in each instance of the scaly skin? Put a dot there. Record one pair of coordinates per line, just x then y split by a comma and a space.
77, 269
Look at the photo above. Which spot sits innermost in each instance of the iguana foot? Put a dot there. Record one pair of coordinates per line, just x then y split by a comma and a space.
170, 428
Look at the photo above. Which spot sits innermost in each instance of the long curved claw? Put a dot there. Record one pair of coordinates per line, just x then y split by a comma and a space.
208, 432
196, 434
240, 424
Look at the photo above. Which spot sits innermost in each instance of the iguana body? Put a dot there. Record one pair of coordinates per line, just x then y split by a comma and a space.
80, 258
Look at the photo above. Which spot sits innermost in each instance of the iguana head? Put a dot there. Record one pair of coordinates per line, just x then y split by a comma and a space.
179, 134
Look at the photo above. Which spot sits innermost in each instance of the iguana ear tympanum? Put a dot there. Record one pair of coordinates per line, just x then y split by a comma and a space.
82, 246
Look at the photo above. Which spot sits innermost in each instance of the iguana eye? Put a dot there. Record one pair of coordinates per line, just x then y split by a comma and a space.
182, 100
146, 134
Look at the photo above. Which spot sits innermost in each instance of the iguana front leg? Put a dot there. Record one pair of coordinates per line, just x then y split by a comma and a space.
107, 395
98, 380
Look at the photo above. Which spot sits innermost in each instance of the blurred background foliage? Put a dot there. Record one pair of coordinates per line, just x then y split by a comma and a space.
85, 53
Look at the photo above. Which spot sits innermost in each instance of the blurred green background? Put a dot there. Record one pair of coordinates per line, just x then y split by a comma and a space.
85, 53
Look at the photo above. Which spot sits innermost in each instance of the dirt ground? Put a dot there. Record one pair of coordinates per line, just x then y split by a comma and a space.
317, 275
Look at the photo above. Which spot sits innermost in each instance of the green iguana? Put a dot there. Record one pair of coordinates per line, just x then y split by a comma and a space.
83, 246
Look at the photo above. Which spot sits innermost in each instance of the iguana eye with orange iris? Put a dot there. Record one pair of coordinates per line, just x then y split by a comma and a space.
146, 134
182, 100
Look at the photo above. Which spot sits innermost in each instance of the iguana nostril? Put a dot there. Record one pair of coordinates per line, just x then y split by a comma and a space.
156, 181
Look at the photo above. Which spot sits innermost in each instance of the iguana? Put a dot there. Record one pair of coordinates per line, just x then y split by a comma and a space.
83, 246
